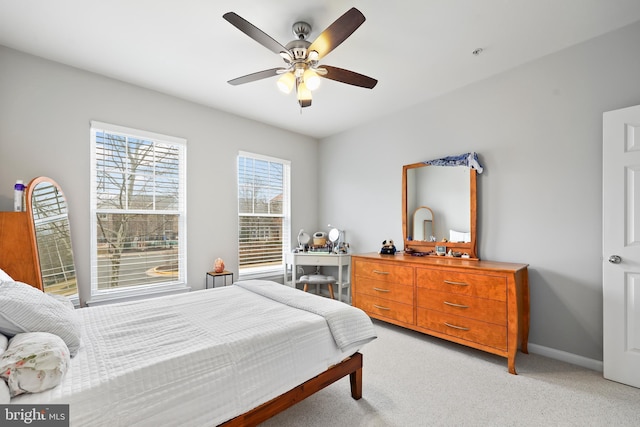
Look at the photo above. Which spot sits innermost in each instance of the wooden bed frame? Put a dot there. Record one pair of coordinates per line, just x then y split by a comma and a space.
351, 366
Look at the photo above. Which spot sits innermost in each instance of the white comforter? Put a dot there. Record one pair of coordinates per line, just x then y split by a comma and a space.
203, 357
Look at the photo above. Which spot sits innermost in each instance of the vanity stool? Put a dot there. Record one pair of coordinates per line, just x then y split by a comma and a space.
318, 279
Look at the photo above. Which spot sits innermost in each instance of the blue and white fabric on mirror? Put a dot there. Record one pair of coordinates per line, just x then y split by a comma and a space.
469, 160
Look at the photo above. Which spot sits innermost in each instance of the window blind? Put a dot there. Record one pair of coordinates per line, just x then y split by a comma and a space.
138, 202
263, 211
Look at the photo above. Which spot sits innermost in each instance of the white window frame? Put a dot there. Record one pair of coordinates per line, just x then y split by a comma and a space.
270, 271
99, 296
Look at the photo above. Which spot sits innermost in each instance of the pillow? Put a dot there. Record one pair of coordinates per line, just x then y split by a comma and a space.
24, 308
4, 277
34, 362
4, 342
63, 299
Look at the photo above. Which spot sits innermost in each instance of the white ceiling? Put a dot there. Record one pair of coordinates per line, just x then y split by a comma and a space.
417, 49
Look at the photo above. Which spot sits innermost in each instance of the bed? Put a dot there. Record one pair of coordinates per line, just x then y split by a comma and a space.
234, 355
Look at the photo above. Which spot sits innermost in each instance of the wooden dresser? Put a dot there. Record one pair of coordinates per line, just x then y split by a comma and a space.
18, 249
481, 304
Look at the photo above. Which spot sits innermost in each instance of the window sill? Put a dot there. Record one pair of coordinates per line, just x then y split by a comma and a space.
112, 297
271, 273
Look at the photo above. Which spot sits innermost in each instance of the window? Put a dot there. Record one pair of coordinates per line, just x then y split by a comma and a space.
263, 213
138, 212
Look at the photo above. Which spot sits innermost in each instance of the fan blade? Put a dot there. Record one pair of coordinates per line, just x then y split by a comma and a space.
255, 76
348, 77
254, 32
337, 32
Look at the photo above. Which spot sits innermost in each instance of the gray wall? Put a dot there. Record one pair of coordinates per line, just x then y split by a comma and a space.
538, 130
45, 109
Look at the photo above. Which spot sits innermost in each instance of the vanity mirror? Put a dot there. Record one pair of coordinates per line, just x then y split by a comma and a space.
447, 192
47, 212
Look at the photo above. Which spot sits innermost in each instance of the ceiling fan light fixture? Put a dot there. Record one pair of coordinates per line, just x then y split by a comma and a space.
286, 82
286, 56
304, 94
311, 79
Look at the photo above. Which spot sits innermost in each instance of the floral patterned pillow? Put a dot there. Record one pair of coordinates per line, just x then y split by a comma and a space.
34, 362
5, 396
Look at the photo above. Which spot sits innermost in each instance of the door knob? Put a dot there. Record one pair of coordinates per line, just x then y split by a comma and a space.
615, 259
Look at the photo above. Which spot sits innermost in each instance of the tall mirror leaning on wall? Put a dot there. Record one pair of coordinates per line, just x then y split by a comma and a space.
47, 209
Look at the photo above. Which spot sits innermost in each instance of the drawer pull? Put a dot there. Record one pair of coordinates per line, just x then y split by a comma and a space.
462, 328
382, 290
456, 305
380, 272
449, 282
381, 307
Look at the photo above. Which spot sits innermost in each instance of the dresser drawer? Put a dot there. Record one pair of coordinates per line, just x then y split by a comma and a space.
486, 310
321, 260
383, 272
468, 329
390, 291
380, 307
472, 284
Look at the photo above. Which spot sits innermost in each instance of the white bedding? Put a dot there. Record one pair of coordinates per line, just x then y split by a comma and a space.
197, 359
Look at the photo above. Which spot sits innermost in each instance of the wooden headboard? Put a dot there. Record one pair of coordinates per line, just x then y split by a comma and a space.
18, 250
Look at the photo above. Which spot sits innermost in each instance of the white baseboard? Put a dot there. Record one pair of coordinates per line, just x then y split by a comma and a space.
585, 362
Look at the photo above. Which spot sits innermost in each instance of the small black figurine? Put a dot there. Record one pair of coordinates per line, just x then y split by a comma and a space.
388, 248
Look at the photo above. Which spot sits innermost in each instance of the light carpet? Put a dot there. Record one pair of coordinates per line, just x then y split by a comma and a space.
410, 379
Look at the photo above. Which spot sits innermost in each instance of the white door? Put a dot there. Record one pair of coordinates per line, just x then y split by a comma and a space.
621, 245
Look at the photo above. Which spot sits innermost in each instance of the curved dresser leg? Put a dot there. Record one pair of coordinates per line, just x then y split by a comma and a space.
512, 365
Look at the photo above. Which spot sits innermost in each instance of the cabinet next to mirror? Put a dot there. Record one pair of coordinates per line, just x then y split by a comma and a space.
480, 304
18, 249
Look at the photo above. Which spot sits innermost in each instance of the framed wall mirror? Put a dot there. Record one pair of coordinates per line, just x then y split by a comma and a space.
47, 210
449, 192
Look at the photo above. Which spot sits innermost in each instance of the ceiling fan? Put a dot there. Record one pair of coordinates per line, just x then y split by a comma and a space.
301, 57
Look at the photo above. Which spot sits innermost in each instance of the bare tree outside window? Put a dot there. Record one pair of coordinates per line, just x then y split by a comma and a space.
137, 210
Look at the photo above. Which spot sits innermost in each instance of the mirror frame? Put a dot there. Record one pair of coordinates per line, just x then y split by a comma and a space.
423, 247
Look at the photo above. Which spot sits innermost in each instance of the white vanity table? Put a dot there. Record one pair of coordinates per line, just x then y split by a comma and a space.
320, 259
